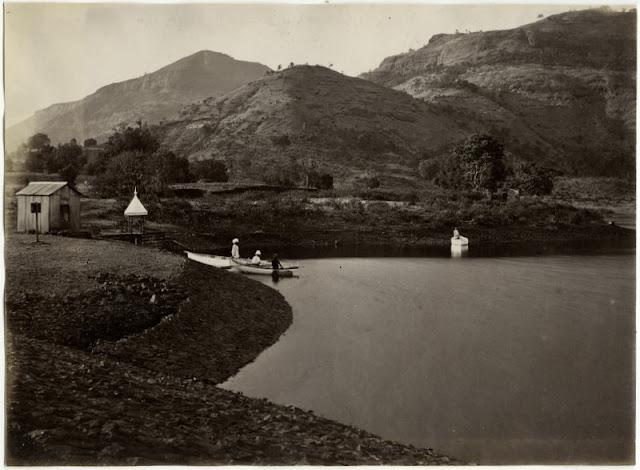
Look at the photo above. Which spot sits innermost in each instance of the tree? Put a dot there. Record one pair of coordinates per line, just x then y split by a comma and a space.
132, 139
90, 142
67, 160
326, 181
476, 164
164, 168
69, 174
37, 153
151, 173
318, 180
139, 139
33, 159
38, 141
533, 179
123, 172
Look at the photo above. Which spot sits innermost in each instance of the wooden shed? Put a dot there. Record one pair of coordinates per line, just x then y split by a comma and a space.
59, 207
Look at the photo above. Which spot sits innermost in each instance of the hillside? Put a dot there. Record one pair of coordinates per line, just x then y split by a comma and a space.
560, 90
310, 113
152, 97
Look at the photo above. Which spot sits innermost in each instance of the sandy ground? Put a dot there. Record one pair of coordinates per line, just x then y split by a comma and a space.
64, 266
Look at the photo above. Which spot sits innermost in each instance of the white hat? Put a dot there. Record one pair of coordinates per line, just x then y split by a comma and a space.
258, 253
235, 240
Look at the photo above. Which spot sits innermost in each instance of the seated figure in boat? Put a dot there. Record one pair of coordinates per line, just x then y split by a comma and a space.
256, 258
235, 249
456, 234
275, 262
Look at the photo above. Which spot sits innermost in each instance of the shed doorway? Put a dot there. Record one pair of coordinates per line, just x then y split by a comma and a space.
65, 216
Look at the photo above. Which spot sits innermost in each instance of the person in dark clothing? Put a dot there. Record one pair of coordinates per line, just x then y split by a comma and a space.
275, 262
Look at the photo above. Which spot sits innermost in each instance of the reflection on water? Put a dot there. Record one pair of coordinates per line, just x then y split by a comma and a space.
587, 248
459, 251
492, 360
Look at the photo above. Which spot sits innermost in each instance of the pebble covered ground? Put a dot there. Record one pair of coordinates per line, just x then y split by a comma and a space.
73, 408
114, 363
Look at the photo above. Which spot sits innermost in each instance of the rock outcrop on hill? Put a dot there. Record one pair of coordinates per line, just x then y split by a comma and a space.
151, 98
560, 91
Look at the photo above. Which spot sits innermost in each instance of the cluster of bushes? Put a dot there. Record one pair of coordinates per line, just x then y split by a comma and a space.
319, 180
150, 173
40, 156
437, 210
449, 77
478, 164
131, 157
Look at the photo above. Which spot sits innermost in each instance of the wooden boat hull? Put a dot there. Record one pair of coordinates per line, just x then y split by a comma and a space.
462, 241
223, 262
262, 269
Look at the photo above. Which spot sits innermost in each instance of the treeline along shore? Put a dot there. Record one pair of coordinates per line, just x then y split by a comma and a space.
476, 185
114, 353
391, 217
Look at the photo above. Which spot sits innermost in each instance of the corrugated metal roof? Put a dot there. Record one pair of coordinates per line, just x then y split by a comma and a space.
41, 188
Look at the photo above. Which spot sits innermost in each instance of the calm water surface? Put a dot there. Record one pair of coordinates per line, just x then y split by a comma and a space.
491, 360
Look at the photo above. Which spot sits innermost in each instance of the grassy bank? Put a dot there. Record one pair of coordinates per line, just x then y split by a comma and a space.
416, 218
577, 210
142, 390
608, 196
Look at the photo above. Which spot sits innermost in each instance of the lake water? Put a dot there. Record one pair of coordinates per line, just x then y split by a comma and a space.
494, 360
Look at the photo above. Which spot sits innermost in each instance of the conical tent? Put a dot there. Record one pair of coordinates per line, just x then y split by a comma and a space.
135, 210
135, 207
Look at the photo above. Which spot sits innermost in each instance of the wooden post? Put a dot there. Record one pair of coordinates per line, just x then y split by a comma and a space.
35, 209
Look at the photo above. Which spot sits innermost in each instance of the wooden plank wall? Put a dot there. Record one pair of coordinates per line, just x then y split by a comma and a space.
51, 216
27, 220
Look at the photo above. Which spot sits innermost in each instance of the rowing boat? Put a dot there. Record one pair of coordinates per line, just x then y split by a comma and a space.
223, 262
262, 268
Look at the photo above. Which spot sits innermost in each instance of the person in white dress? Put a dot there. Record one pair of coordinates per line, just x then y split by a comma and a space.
235, 249
256, 258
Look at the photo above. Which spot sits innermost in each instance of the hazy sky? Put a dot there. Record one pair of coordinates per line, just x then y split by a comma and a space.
63, 52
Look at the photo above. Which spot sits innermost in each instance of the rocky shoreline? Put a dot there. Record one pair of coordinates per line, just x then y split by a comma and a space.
113, 360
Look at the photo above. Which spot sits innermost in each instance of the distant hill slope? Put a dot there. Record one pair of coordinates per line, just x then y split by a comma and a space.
560, 90
311, 114
152, 97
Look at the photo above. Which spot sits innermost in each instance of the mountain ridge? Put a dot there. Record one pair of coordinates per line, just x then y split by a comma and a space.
559, 91
150, 97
